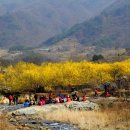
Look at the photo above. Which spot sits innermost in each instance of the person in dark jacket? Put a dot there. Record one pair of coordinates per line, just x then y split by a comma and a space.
35, 97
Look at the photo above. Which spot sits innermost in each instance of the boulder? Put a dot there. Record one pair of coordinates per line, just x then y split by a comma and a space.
87, 105
34, 110
4, 100
12, 120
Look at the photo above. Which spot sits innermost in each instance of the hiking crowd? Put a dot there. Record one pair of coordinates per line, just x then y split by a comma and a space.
51, 98
59, 98
107, 90
13, 99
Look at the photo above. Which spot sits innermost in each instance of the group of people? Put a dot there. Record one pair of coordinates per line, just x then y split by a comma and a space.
51, 98
60, 98
106, 88
13, 100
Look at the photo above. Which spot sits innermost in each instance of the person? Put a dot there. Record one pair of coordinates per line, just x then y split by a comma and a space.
50, 98
107, 94
125, 96
107, 87
56, 99
84, 98
60, 95
75, 96
26, 102
35, 97
96, 93
68, 99
10, 99
47, 100
30, 97
32, 102
64, 99
41, 102
61, 99
41, 98
15, 99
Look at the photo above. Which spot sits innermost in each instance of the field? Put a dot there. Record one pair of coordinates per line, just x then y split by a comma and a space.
4, 124
116, 118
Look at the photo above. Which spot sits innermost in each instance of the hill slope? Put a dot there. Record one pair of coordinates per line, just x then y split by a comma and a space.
29, 22
111, 29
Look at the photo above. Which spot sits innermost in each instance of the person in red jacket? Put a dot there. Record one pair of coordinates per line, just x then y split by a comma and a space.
51, 97
61, 100
10, 99
68, 99
107, 94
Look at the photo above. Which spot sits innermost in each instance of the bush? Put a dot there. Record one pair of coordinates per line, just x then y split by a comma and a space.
97, 58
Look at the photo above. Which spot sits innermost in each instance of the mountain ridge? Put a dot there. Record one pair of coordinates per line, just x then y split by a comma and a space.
109, 29
36, 21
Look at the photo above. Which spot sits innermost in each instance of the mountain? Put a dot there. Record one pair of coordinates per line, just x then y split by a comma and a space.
111, 29
29, 22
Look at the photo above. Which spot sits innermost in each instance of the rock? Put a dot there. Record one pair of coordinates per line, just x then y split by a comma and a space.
35, 110
20, 127
26, 128
19, 118
2, 109
25, 111
12, 120
4, 100
87, 105
44, 128
31, 126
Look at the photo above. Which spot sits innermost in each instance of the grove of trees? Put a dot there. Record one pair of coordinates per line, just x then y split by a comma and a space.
24, 77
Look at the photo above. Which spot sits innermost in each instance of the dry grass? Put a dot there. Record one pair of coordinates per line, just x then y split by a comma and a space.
4, 124
110, 119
